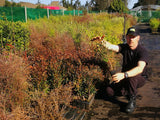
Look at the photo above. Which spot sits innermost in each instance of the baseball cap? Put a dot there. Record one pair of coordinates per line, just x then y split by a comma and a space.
132, 31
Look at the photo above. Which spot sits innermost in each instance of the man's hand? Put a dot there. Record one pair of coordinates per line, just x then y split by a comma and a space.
99, 39
117, 77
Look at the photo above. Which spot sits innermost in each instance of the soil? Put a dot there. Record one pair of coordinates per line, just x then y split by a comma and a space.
148, 98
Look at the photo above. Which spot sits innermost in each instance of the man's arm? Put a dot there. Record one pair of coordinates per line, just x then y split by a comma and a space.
110, 46
137, 70
131, 73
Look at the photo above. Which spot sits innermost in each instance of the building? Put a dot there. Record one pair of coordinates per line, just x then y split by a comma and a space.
56, 4
51, 7
146, 7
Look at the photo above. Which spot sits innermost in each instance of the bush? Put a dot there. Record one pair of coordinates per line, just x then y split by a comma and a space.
154, 23
61, 51
43, 106
58, 61
14, 35
13, 82
19, 99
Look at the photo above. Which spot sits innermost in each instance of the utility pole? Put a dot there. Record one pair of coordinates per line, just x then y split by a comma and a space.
124, 24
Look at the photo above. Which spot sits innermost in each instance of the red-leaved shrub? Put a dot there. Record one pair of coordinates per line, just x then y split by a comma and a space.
60, 60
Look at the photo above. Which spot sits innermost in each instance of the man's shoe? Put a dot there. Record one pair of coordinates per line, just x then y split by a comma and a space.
131, 104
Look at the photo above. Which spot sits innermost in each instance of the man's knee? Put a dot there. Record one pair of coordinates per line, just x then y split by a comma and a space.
109, 91
137, 81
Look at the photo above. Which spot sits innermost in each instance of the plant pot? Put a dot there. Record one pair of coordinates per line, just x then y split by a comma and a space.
83, 104
78, 108
154, 30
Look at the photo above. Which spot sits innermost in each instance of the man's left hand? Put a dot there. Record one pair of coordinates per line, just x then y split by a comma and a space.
117, 77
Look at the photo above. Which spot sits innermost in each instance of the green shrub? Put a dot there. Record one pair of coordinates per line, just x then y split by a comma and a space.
14, 35
154, 23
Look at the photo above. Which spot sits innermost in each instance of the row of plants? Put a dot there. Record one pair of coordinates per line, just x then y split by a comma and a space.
58, 65
154, 24
61, 47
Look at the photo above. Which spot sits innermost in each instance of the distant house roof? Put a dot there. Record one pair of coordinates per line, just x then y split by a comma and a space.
51, 7
56, 3
146, 7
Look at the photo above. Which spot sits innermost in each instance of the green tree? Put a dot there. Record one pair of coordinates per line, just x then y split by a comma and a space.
14, 4
101, 4
67, 4
92, 4
71, 2
77, 4
9, 4
39, 7
117, 6
64, 3
158, 2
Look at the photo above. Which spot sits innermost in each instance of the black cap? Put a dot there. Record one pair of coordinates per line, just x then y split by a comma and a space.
133, 31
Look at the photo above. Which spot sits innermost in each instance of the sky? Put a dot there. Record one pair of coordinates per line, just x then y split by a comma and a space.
130, 3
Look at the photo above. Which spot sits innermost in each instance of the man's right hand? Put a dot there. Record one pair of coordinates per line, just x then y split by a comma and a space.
99, 39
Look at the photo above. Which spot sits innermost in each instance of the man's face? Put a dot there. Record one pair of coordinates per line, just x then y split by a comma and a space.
132, 41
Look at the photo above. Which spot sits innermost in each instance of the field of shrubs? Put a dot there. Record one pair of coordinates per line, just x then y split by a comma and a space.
47, 63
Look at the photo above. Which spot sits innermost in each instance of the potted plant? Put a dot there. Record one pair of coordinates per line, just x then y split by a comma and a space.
154, 24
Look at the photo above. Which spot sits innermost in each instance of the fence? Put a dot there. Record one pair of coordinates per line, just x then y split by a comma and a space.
145, 16
23, 13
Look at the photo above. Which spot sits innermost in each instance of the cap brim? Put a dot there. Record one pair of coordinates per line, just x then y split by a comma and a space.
132, 33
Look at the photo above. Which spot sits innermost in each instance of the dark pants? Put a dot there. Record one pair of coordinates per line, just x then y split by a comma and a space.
126, 86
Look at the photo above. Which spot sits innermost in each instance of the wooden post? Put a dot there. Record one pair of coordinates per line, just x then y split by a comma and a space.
47, 13
74, 12
25, 8
63, 11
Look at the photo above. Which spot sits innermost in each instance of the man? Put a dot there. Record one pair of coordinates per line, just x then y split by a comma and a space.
135, 59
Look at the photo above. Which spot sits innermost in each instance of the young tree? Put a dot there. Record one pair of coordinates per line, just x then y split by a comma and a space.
67, 4
101, 4
9, 4
77, 4
117, 6
64, 3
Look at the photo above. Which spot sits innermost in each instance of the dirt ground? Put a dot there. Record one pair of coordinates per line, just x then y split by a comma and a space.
148, 98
